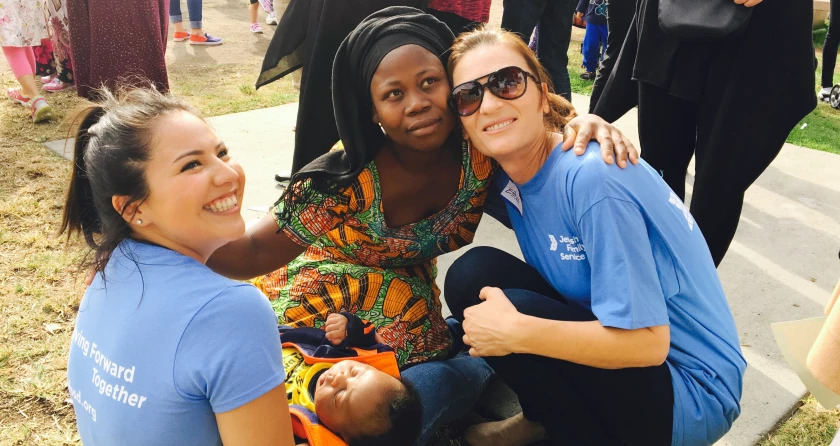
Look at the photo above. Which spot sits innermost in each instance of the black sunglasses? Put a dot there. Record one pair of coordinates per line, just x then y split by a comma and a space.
507, 83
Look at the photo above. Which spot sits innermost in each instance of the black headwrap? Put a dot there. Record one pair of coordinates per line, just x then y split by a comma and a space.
355, 64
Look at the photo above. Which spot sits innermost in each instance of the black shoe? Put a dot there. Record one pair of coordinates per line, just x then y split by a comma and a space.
283, 177
587, 75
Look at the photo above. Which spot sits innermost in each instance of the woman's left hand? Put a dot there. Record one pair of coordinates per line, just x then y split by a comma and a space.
614, 145
488, 324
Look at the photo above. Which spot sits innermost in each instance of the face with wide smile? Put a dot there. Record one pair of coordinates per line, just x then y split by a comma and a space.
409, 92
195, 189
348, 395
501, 127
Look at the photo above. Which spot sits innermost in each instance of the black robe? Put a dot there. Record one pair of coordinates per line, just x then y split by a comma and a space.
308, 36
768, 66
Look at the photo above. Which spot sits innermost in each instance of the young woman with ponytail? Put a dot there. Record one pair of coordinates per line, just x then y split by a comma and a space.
164, 350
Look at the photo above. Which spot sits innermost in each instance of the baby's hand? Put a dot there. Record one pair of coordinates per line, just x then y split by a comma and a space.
336, 328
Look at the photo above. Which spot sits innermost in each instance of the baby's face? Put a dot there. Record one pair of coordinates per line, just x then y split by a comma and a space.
348, 394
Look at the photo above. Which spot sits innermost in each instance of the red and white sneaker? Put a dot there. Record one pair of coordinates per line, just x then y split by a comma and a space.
47, 79
40, 109
15, 95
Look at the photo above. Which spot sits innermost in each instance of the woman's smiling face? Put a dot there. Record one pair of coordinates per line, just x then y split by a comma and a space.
501, 126
195, 188
410, 94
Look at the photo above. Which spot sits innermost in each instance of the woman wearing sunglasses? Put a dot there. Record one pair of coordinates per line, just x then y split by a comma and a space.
360, 229
616, 330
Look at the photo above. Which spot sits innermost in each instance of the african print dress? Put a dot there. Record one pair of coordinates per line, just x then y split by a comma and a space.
354, 262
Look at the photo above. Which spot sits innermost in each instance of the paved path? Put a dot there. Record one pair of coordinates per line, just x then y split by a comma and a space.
782, 265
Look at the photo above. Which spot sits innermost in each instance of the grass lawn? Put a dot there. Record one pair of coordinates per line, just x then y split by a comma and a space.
40, 284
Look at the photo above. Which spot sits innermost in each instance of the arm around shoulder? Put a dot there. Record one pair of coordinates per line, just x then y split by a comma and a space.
262, 249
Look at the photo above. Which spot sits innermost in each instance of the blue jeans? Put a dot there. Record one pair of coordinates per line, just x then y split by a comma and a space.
594, 45
555, 20
194, 9
448, 388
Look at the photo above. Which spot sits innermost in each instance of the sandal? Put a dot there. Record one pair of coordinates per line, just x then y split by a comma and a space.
41, 110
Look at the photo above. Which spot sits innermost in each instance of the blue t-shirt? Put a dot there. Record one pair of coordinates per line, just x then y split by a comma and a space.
622, 244
163, 345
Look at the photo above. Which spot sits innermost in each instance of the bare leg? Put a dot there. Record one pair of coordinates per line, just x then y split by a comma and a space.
28, 86
252, 10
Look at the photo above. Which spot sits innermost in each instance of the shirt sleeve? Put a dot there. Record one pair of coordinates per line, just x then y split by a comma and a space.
314, 214
626, 292
230, 353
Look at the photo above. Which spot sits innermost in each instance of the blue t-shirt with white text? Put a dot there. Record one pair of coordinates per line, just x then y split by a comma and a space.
620, 243
163, 345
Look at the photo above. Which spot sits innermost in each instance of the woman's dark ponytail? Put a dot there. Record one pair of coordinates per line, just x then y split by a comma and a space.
80, 214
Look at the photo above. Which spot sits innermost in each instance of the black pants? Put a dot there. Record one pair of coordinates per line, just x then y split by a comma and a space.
832, 41
554, 18
671, 130
618, 21
576, 404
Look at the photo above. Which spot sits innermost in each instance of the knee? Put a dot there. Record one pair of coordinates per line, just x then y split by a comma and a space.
465, 278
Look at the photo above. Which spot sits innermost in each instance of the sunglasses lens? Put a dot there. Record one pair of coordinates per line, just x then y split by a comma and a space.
507, 83
467, 98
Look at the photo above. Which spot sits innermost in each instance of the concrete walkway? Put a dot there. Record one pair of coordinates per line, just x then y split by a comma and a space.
782, 265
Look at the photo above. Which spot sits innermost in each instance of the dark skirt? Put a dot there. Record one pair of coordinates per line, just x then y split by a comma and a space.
118, 43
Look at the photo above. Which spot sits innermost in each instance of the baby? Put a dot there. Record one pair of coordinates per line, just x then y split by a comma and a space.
351, 382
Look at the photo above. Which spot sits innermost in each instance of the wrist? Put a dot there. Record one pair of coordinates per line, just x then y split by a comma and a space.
522, 324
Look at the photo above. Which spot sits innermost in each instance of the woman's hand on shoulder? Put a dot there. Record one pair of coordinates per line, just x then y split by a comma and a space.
488, 325
614, 145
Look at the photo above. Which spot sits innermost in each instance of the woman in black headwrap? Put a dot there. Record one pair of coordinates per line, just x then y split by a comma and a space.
371, 219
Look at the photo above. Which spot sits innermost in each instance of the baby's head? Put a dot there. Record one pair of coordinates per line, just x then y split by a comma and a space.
366, 406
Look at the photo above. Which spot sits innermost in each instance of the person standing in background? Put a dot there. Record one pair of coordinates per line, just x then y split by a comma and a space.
460, 15
594, 13
58, 74
832, 40
23, 27
196, 36
718, 100
252, 12
554, 18
618, 22
118, 43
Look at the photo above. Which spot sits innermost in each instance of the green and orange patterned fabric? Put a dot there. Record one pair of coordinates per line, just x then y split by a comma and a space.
354, 262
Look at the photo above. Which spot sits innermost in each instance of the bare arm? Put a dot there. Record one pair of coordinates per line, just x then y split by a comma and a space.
496, 328
264, 421
261, 250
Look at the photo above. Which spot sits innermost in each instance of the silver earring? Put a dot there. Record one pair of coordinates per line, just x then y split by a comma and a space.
139, 221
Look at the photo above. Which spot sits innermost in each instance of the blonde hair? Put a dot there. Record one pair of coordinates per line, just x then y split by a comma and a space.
560, 112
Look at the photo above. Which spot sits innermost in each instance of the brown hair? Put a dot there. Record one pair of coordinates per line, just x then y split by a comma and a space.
561, 111
111, 150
